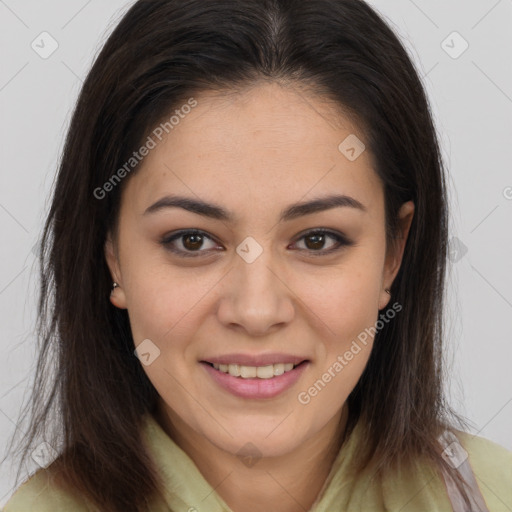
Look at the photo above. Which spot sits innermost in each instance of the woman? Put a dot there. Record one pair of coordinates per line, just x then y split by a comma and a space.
243, 275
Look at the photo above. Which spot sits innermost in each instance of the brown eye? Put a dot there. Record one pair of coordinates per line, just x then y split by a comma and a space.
315, 242
192, 242
188, 243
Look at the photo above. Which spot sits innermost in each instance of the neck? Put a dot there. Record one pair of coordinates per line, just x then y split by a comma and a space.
292, 480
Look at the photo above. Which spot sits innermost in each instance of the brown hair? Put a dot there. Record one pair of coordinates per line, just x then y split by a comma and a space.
161, 52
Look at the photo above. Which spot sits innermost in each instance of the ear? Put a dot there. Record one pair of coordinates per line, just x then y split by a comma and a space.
395, 251
117, 295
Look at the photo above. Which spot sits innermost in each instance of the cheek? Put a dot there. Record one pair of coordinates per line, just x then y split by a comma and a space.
160, 295
349, 313
345, 298
347, 304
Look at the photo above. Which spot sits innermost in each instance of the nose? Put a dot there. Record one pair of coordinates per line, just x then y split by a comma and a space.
255, 297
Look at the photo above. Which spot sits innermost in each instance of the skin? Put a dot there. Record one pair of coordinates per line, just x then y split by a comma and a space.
255, 153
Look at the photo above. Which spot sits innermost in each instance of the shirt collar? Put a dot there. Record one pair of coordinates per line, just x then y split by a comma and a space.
187, 489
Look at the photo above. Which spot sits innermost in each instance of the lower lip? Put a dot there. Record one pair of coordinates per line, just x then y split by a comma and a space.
256, 388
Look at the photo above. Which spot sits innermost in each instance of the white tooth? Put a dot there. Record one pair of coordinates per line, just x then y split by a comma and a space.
234, 370
265, 372
279, 369
248, 372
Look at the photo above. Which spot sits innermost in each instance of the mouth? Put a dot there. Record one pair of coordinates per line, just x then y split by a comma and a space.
255, 382
255, 372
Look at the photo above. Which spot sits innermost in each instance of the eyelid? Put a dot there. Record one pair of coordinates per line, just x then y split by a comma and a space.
341, 238
167, 240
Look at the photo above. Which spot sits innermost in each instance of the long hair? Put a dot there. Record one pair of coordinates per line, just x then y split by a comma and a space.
160, 53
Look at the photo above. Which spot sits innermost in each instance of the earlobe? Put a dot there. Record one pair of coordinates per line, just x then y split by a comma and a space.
117, 296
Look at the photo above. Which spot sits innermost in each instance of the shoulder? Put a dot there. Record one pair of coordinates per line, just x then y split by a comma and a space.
492, 466
40, 494
485, 454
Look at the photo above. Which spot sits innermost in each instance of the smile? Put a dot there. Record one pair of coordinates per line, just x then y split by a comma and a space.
256, 382
251, 372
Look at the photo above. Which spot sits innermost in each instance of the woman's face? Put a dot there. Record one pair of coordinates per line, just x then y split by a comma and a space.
260, 287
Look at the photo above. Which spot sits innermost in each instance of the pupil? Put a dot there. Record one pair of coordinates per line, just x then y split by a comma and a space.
318, 241
193, 245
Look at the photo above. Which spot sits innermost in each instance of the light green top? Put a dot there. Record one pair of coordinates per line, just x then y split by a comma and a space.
186, 490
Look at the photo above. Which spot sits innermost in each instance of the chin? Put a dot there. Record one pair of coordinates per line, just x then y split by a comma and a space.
270, 438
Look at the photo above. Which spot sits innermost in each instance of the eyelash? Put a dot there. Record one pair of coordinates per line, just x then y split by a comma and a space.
340, 239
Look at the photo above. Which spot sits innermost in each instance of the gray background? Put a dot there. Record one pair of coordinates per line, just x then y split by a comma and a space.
471, 96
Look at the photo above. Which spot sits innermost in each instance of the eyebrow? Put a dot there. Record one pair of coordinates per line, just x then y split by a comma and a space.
217, 212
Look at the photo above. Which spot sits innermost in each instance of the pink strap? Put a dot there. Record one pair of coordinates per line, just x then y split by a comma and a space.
455, 455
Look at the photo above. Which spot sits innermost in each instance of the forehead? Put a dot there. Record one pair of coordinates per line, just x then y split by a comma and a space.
260, 146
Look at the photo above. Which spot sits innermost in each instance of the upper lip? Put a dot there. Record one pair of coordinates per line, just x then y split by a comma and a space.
255, 360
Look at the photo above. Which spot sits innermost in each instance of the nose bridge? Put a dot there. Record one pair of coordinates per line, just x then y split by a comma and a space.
256, 298
253, 275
